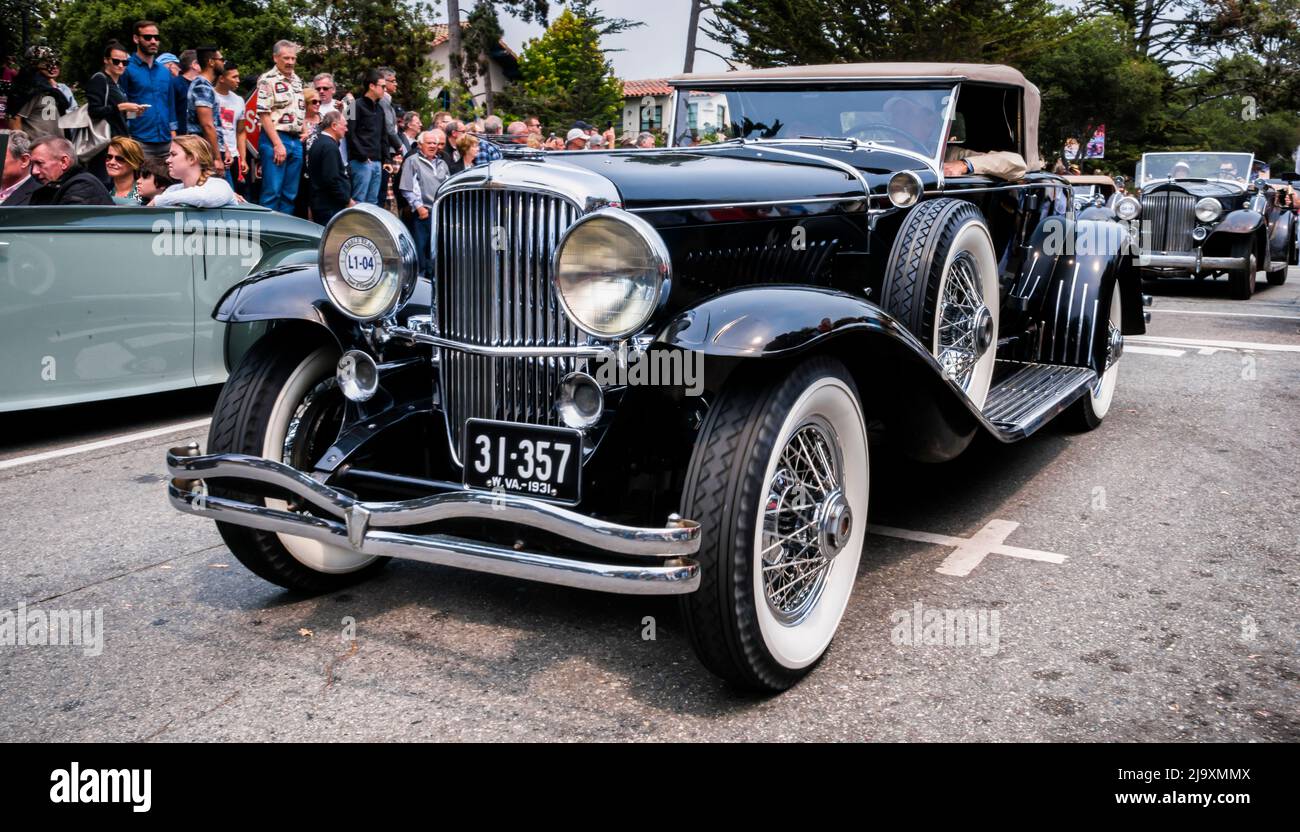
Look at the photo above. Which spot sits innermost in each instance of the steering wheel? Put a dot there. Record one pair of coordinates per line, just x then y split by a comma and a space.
860, 133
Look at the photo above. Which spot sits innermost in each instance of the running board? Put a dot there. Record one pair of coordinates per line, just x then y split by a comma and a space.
1027, 398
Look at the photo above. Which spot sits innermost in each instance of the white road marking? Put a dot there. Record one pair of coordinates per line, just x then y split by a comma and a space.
1152, 350
971, 551
1229, 314
1200, 343
103, 443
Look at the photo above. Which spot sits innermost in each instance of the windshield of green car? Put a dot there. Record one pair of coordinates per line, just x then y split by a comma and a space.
909, 118
1224, 167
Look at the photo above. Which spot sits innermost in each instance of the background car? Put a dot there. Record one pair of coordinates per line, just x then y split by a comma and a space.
1093, 190
1201, 216
98, 302
819, 266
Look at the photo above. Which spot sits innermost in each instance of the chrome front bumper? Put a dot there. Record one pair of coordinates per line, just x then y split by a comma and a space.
650, 561
1190, 260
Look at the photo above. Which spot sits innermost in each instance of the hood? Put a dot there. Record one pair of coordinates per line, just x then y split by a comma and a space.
686, 177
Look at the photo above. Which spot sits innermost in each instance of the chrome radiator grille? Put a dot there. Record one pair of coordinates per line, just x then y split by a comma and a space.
1171, 220
493, 250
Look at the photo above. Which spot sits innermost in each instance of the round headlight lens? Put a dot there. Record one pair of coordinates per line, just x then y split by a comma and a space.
1208, 209
610, 271
1127, 208
904, 188
367, 262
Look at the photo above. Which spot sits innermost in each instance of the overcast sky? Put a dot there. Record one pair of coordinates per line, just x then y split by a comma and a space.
655, 50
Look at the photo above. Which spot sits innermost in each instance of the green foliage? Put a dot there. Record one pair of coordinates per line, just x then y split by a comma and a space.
244, 29
1094, 77
566, 77
789, 32
350, 38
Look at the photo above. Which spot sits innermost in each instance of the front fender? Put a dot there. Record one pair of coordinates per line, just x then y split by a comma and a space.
1281, 249
1241, 221
899, 381
289, 293
295, 293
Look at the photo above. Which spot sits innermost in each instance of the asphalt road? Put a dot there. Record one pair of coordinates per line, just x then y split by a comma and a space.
1170, 614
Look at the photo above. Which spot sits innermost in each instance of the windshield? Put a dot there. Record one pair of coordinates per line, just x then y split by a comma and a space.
909, 119
1225, 167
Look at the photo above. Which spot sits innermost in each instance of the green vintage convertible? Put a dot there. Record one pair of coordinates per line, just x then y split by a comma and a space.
99, 302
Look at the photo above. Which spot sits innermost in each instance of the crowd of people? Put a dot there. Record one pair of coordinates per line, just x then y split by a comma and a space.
173, 129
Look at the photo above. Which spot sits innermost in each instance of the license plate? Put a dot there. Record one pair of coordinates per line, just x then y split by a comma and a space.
510, 458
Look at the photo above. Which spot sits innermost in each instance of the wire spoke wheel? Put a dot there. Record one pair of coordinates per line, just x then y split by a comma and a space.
960, 319
805, 487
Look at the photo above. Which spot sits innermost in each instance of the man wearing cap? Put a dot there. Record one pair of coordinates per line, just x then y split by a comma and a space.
576, 139
149, 84
170, 61
281, 109
596, 142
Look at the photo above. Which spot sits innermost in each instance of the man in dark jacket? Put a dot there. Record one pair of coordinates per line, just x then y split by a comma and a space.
367, 138
331, 191
63, 181
17, 184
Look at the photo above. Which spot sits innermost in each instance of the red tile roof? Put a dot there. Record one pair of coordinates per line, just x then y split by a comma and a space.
650, 86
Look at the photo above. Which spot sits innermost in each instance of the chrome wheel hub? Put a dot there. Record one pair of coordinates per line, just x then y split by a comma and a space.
964, 328
806, 522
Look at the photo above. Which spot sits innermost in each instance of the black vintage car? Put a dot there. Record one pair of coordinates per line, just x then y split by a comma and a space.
1201, 215
814, 275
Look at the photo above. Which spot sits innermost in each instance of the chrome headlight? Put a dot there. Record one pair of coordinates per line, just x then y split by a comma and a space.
1208, 209
611, 271
904, 188
367, 262
1127, 208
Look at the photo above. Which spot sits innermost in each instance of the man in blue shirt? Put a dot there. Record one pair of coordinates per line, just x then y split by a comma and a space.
149, 83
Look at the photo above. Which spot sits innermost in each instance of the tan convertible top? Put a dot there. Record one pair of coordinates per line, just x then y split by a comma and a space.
1091, 179
983, 73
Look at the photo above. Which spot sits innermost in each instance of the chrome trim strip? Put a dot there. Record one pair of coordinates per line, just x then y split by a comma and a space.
414, 337
676, 576
1189, 261
710, 206
186, 468
1010, 186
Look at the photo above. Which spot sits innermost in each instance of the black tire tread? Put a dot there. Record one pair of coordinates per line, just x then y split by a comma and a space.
728, 464
238, 422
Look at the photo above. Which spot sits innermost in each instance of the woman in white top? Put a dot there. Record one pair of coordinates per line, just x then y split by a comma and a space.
190, 164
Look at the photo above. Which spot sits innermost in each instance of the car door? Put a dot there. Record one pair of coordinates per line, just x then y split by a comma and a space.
96, 302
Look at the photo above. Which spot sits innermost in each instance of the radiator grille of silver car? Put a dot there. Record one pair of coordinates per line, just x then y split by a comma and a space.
1171, 220
494, 289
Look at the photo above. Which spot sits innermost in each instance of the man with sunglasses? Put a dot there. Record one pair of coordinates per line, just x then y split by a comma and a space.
149, 84
324, 86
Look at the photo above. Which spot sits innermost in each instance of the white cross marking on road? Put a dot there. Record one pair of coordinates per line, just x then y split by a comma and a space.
971, 551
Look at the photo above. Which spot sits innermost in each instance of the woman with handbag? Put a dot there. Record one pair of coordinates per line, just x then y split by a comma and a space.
107, 102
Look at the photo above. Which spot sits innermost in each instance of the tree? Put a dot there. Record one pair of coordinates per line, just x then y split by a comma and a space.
526, 10
1095, 77
482, 37
244, 29
604, 26
566, 76
791, 32
350, 38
